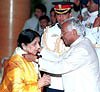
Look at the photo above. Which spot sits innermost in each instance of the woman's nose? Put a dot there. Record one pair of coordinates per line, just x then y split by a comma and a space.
38, 46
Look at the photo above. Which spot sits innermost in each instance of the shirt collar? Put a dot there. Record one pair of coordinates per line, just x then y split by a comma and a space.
95, 13
19, 51
77, 41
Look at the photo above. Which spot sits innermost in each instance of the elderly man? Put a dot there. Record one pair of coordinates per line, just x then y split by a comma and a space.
79, 66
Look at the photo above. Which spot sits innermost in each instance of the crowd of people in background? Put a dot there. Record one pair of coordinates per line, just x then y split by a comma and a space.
68, 42
40, 19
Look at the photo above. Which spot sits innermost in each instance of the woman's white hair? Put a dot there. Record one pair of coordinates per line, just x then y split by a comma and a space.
74, 23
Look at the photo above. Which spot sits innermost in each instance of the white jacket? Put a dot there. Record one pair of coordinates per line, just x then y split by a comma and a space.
79, 67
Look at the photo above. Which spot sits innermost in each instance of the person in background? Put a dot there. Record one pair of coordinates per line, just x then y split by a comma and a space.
44, 22
20, 74
97, 22
53, 19
97, 19
52, 44
4, 59
92, 7
33, 22
92, 25
79, 66
89, 13
80, 6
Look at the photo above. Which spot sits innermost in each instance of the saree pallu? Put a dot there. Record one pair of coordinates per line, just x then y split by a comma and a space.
19, 76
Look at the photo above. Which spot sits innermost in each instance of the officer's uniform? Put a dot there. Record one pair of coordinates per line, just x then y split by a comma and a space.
53, 46
93, 33
91, 16
89, 22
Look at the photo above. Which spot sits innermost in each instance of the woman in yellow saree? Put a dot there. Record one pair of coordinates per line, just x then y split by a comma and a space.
20, 73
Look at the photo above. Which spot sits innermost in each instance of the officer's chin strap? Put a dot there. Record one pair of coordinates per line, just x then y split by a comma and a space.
59, 25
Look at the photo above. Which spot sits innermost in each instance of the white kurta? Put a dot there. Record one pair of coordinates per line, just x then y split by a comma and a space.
79, 67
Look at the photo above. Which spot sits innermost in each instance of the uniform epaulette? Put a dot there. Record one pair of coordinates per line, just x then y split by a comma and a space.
59, 26
51, 25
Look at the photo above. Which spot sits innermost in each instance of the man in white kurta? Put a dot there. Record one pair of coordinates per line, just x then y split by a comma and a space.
79, 66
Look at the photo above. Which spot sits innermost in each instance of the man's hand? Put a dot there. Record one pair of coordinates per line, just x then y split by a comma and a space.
43, 81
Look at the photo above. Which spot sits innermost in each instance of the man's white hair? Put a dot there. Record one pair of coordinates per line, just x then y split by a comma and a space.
74, 23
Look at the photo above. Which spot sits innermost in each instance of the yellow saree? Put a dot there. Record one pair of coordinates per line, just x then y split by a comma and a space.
19, 76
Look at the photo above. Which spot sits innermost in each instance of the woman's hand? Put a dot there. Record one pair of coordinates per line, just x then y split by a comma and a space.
43, 81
